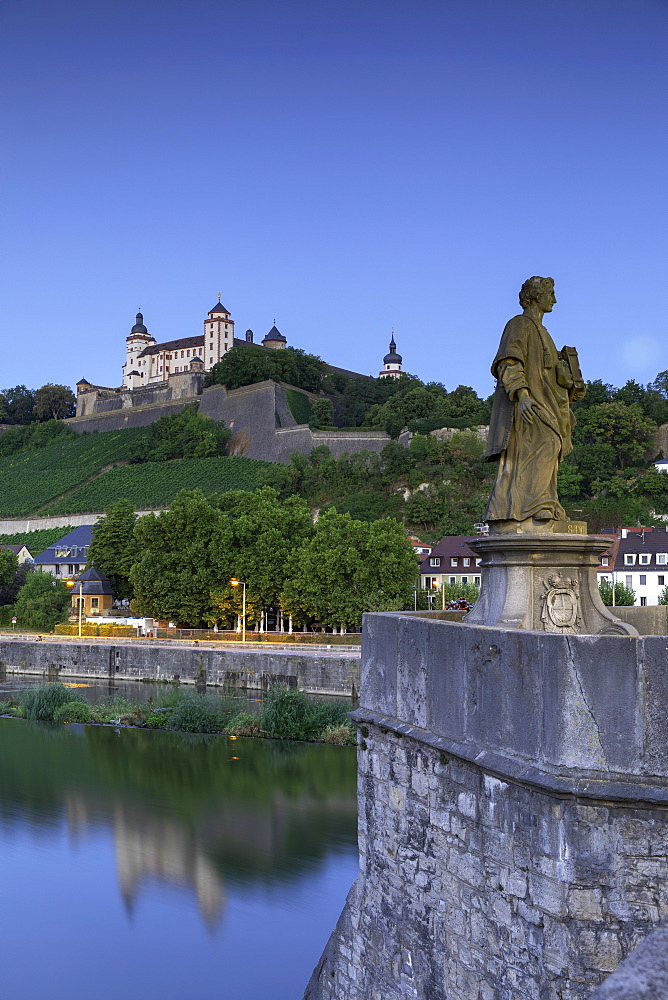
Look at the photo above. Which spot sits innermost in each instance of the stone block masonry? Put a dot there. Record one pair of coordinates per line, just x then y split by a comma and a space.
316, 672
513, 814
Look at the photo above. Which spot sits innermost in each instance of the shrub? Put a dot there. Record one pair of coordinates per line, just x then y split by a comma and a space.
339, 735
288, 714
195, 713
244, 724
74, 711
42, 702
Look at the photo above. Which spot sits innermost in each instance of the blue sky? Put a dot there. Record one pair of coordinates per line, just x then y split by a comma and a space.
343, 167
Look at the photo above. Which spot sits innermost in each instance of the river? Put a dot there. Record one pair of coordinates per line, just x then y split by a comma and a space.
138, 864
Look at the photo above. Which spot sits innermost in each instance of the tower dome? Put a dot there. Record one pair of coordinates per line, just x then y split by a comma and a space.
391, 363
392, 357
139, 325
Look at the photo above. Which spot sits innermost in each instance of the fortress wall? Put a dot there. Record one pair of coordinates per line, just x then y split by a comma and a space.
250, 412
135, 416
513, 813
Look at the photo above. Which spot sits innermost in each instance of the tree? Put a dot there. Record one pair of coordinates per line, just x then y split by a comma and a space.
42, 602
246, 364
624, 596
621, 425
54, 402
19, 404
322, 414
348, 566
113, 548
9, 564
255, 537
176, 567
187, 434
663, 596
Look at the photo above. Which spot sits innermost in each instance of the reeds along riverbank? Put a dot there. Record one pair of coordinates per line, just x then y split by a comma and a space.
287, 713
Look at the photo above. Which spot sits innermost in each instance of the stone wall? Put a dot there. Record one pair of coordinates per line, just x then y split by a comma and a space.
258, 416
513, 813
321, 672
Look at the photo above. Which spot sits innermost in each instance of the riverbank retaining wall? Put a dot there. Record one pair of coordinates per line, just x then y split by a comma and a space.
513, 813
317, 672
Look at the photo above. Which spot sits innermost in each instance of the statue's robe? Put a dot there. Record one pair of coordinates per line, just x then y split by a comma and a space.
528, 454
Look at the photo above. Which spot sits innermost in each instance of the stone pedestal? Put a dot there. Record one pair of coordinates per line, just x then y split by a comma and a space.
544, 582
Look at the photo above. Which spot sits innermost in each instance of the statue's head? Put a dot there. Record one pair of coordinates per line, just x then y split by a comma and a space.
540, 290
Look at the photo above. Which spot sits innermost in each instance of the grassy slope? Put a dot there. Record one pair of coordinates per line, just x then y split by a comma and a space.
34, 482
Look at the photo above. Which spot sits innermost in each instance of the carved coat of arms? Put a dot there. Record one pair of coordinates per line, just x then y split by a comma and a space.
561, 605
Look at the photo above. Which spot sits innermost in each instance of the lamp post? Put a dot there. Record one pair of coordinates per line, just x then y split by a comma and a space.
72, 583
240, 583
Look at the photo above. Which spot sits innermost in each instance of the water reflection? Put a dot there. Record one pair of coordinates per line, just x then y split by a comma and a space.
215, 819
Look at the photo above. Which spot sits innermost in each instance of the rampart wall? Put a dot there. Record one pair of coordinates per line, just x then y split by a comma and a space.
325, 672
513, 813
258, 415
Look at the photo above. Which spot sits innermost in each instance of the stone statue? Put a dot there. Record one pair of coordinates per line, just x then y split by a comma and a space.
530, 428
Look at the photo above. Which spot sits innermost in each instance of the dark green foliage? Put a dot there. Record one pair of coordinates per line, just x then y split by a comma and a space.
194, 713
9, 565
299, 405
247, 364
187, 434
42, 602
74, 711
43, 701
288, 714
17, 405
33, 436
113, 548
322, 414
54, 402
624, 596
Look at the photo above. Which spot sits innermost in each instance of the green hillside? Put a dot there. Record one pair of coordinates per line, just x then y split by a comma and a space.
155, 484
77, 475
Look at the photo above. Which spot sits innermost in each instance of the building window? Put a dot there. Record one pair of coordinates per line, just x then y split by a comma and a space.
643, 580
643, 602
181, 353
478, 562
435, 561
95, 603
605, 561
661, 580
644, 559
453, 579
629, 581
57, 569
467, 561
476, 580
661, 558
187, 354
629, 559
465, 579
453, 561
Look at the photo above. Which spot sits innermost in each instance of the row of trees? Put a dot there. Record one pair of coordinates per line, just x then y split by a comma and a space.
177, 565
20, 405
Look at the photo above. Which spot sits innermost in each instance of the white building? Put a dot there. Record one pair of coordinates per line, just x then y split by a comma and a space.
148, 362
638, 559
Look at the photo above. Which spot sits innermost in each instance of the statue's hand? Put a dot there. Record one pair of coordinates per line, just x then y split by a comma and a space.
527, 406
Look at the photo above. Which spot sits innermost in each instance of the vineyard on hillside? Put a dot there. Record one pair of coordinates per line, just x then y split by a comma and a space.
30, 479
35, 541
155, 484
33, 482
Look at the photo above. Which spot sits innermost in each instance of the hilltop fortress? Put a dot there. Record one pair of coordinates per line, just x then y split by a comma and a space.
159, 379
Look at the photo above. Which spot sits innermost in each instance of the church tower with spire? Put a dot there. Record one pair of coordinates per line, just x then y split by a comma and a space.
391, 362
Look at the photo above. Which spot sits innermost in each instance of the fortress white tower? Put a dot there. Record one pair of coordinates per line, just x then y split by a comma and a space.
138, 340
391, 363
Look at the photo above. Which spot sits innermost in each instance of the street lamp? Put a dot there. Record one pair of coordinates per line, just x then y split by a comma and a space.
72, 583
240, 583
